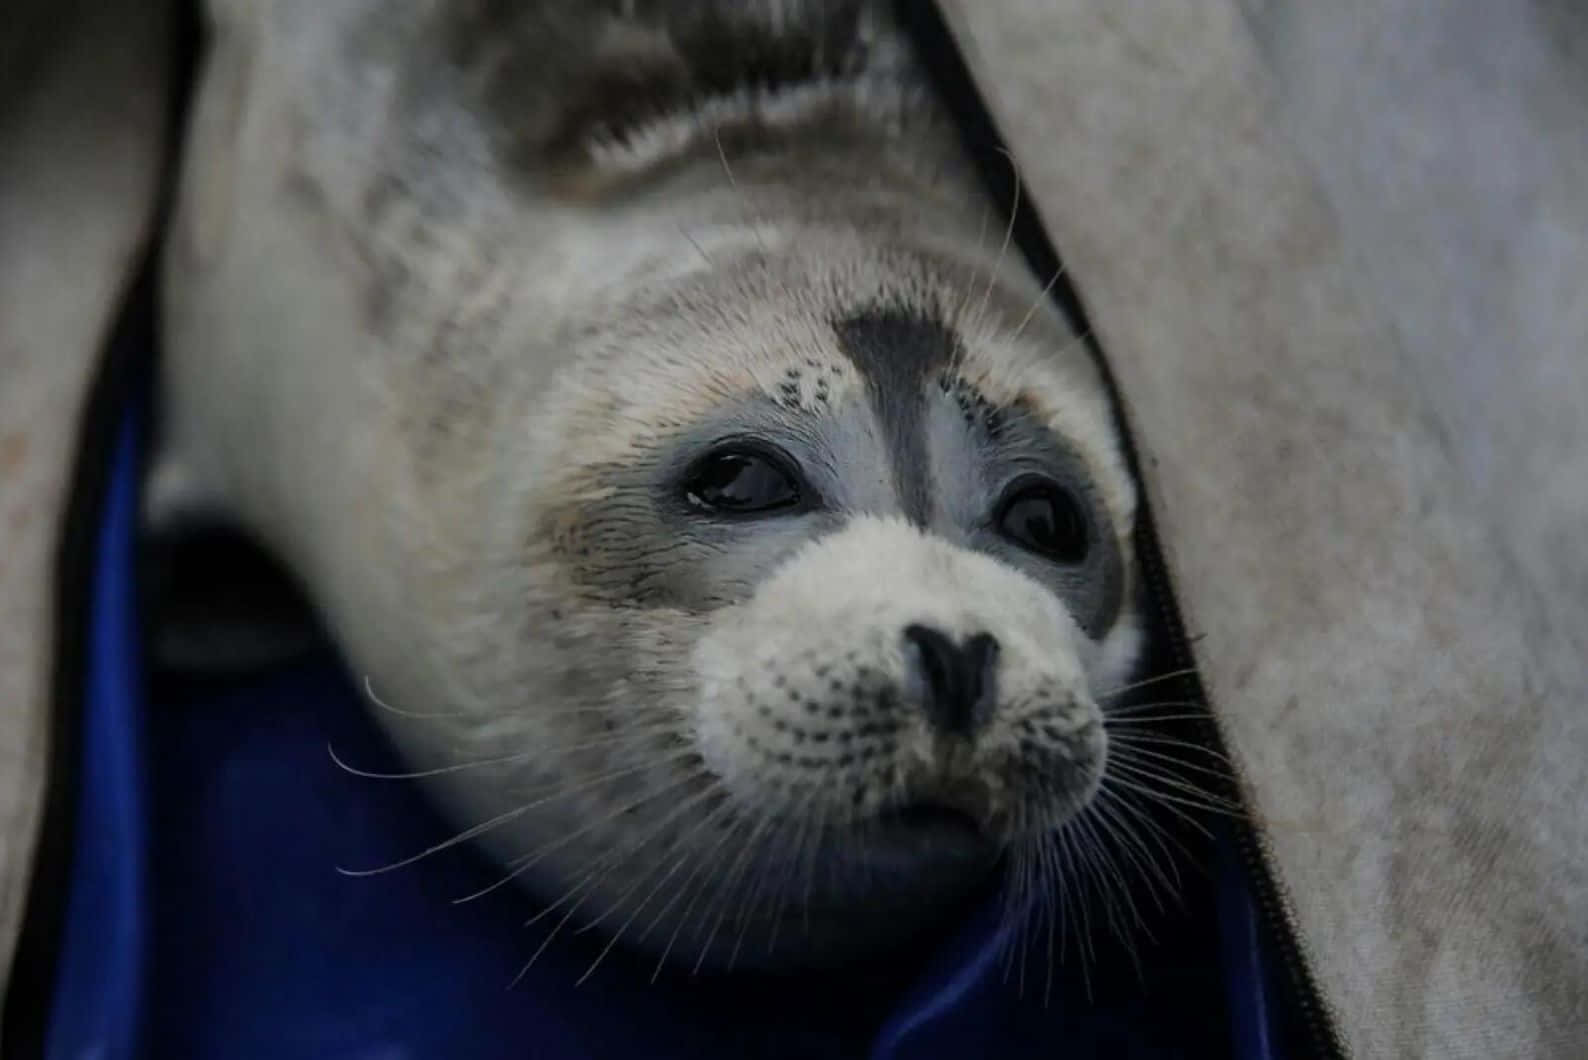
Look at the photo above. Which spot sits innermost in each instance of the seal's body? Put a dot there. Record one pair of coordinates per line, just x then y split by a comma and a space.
642, 398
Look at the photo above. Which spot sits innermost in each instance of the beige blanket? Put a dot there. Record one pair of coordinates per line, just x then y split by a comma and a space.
1335, 255
82, 105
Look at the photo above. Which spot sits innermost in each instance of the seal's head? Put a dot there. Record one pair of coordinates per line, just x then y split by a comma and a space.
651, 416
822, 566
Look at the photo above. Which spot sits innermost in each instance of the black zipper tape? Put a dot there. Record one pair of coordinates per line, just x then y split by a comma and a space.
1308, 1028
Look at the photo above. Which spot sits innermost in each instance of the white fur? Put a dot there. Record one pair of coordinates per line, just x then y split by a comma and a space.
789, 661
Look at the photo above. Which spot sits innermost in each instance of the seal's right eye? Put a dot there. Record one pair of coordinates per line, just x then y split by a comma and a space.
739, 481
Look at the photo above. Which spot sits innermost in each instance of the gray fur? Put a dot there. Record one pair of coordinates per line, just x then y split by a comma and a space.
446, 325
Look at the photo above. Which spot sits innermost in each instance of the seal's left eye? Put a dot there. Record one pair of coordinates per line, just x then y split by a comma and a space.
740, 482
1047, 519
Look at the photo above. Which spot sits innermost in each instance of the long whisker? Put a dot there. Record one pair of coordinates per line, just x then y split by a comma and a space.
1169, 803
1135, 738
753, 898
807, 831
584, 888
801, 814
550, 937
369, 692
1187, 788
683, 918
1169, 676
679, 810
679, 842
1143, 758
528, 861
1097, 828
1126, 898
1123, 720
1009, 231
1036, 303
1156, 705
722, 156
741, 863
508, 815
538, 751
823, 821
1052, 879
1153, 831
981, 234
1031, 877
1071, 859
1118, 828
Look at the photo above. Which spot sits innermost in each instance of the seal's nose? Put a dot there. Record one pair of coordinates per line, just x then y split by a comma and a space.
960, 680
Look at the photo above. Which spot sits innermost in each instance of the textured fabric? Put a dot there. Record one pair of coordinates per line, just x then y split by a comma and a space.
1390, 621
80, 142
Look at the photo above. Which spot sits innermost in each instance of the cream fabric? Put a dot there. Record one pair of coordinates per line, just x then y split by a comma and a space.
1392, 622
80, 138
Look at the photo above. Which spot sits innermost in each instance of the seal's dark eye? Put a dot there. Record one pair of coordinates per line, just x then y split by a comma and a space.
740, 482
1047, 519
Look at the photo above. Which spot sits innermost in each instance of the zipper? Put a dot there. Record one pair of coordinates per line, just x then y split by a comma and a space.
923, 22
1274, 910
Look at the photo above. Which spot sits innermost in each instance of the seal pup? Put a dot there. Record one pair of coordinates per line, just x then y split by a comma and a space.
735, 540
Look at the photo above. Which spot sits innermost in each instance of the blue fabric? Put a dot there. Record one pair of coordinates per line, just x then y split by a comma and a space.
100, 981
1245, 967
206, 920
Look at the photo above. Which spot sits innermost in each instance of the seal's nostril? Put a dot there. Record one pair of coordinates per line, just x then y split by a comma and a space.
982, 654
959, 680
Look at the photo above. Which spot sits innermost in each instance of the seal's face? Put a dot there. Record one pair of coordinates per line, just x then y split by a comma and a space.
928, 645
833, 585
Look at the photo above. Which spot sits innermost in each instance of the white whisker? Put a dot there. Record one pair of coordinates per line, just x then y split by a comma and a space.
1125, 750
1036, 303
1003, 249
722, 156
741, 864
538, 751
1169, 676
506, 816
1170, 803
524, 863
680, 841
369, 692
683, 917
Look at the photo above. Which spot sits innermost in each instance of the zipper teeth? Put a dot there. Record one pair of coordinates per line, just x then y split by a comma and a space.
1273, 903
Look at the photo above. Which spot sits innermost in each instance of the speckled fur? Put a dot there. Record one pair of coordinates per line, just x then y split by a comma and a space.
446, 345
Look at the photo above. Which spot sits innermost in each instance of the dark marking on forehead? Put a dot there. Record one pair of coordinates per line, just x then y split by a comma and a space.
896, 350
